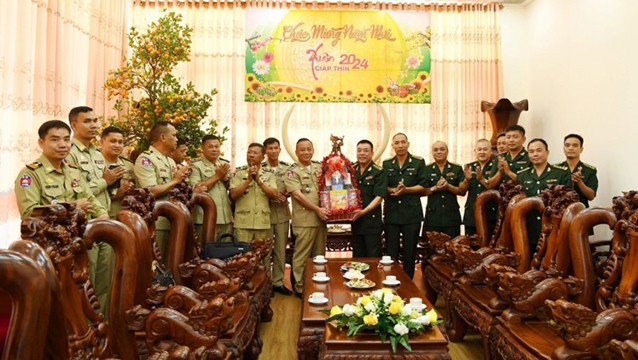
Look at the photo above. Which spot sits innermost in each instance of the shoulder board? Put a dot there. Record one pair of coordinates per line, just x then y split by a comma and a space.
316, 162
284, 163
416, 157
222, 159
242, 167
269, 170
377, 167
559, 164
125, 159
561, 167
388, 159
147, 152
34, 165
294, 165
454, 164
72, 166
589, 166
196, 161
263, 164
473, 163
522, 170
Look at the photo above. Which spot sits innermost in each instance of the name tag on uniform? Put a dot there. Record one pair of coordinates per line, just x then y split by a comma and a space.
54, 186
369, 177
449, 174
84, 162
100, 162
552, 180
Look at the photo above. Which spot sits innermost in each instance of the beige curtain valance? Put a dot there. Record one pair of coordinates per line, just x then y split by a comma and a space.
413, 5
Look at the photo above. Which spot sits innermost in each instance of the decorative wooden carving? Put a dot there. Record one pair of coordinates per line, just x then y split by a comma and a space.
503, 113
30, 291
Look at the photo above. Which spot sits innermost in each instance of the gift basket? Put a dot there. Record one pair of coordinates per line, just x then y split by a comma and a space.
338, 190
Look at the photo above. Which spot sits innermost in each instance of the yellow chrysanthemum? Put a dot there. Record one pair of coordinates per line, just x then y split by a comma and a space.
386, 290
395, 307
370, 319
433, 316
365, 300
397, 298
336, 310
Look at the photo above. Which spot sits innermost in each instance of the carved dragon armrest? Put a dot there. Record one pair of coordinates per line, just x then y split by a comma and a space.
435, 242
626, 350
474, 263
587, 333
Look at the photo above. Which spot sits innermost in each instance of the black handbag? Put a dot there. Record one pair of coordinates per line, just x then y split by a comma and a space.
224, 250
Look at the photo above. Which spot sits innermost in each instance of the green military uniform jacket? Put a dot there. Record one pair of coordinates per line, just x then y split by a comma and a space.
252, 209
39, 183
404, 209
91, 162
299, 177
372, 182
518, 163
589, 178
279, 213
476, 188
443, 207
129, 175
204, 169
153, 168
534, 184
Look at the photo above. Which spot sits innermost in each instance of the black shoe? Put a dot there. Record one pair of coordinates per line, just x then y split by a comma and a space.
282, 290
299, 294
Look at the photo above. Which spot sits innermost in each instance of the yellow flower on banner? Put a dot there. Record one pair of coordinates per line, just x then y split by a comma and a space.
336, 310
370, 319
395, 307
433, 316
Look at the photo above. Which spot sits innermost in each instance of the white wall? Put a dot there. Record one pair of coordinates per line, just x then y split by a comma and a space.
576, 62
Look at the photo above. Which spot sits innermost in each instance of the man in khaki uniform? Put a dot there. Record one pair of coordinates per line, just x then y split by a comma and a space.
251, 188
112, 145
308, 218
279, 215
212, 174
88, 158
50, 179
155, 170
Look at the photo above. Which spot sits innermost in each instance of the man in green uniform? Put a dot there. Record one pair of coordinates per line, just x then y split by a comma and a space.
367, 224
88, 158
155, 170
584, 176
537, 178
212, 174
251, 188
516, 158
50, 180
475, 174
308, 218
403, 210
112, 145
442, 212
279, 215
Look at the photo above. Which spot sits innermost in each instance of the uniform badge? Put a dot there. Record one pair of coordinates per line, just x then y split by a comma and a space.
290, 174
146, 161
25, 181
99, 161
369, 177
451, 173
75, 182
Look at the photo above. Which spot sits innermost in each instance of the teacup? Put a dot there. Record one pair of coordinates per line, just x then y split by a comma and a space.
317, 296
320, 275
416, 303
391, 279
386, 259
320, 258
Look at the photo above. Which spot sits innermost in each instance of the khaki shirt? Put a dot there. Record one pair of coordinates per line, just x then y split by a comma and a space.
39, 183
91, 162
252, 209
298, 177
204, 169
279, 213
153, 168
129, 175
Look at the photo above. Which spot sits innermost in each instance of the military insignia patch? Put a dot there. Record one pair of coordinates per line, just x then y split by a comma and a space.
75, 182
146, 161
25, 181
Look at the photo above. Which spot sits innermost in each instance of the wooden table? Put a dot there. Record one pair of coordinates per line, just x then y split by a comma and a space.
316, 337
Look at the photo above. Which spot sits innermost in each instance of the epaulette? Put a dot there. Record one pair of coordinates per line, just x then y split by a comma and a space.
388, 159
559, 164
72, 166
522, 170
284, 163
561, 167
242, 167
473, 163
315, 162
147, 152
589, 166
34, 165
294, 165
125, 159
377, 167
455, 164
196, 161
264, 164
416, 157
222, 159
269, 170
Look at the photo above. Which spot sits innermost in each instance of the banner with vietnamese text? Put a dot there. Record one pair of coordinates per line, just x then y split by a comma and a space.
337, 56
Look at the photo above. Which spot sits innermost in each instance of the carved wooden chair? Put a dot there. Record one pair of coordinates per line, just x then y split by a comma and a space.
522, 331
475, 304
444, 266
24, 276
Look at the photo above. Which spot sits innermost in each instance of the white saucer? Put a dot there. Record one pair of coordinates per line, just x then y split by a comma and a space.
325, 261
395, 283
324, 279
325, 300
386, 262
